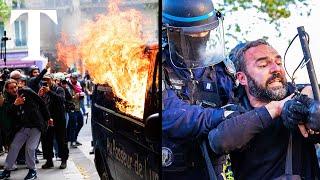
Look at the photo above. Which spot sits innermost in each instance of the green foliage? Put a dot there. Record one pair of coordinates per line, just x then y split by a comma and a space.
269, 11
275, 9
5, 11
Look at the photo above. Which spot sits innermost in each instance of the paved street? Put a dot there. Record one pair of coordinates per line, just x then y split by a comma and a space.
80, 163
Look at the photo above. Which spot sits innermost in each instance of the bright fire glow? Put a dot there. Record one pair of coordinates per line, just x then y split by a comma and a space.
67, 52
113, 51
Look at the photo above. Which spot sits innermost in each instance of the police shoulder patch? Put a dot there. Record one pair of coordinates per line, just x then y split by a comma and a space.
167, 157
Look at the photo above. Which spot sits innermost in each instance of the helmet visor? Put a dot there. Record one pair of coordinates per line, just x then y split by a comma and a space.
197, 47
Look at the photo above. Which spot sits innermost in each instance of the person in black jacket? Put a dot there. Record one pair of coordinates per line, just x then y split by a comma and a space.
32, 117
259, 143
34, 83
54, 96
36, 77
68, 101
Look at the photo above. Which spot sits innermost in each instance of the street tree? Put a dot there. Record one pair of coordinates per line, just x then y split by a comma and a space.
268, 11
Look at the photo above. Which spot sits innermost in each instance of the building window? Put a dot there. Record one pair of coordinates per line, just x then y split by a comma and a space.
1, 28
20, 33
18, 4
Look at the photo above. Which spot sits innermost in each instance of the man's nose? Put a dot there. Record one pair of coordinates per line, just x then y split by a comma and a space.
275, 68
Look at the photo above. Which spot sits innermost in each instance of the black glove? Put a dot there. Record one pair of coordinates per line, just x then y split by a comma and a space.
313, 111
304, 99
293, 113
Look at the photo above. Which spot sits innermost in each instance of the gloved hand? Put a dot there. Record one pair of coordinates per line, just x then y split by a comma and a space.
232, 110
313, 111
293, 113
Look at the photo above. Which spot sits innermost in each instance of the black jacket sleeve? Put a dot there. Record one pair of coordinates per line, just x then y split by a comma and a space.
42, 105
68, 96
40, 76
57, 94
12, 109
235, 132
314, 138
34, 82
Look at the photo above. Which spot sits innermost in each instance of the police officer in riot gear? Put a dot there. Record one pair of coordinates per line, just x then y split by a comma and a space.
196, 84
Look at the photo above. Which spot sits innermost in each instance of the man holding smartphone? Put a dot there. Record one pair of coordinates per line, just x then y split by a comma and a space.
31, 116
54, 96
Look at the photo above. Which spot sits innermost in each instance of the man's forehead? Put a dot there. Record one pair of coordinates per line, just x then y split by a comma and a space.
12, 85
262, 50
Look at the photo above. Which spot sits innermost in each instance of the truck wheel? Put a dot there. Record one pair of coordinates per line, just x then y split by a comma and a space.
101, 167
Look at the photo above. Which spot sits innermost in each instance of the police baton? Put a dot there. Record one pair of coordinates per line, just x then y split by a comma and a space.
205, 153
309, 63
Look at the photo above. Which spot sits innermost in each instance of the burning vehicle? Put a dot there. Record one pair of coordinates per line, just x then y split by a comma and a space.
127, 146
123, 63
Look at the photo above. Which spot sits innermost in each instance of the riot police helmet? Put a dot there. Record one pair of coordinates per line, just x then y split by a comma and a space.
194, 31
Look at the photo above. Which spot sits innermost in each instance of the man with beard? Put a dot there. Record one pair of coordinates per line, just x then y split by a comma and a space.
31, 117
54, 96
7, 122
259, 142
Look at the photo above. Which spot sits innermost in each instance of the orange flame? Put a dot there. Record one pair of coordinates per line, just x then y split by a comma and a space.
113, 51
67, 52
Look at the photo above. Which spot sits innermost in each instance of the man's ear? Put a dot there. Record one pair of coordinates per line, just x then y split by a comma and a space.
242, 78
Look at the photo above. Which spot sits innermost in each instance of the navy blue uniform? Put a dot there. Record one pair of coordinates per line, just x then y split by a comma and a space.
258, 145
190, 111
197, 85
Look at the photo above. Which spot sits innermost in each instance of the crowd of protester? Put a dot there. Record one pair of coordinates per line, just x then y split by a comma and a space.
31, 113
